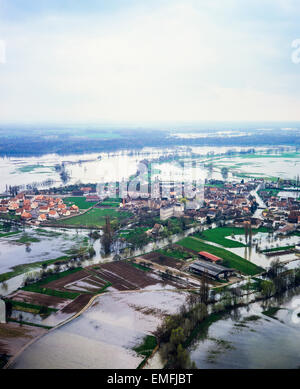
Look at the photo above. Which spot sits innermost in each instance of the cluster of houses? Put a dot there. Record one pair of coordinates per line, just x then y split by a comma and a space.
218, 201
228, 201
283, 214
36, 209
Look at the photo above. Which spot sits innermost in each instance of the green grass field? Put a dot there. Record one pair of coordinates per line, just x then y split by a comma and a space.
112, 202
95, 217
283, 248
27, 307
79, 201
5, 234
127, 234
31, 168
170, 252
51, 292
272, 192
146, 348
25, 238
230, 260
218, 235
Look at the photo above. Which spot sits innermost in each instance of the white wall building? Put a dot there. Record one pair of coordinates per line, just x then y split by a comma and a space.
2, 312
166, 212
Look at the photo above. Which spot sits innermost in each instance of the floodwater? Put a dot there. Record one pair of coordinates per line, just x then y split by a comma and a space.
238, 341
13, 253
70, 237
104, 336
264, 241
286, 194
27, 317
96, 167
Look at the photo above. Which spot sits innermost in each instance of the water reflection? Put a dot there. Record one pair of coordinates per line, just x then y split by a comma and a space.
248, 339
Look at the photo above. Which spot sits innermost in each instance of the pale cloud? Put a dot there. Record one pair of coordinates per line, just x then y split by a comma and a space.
174, 61
2, 52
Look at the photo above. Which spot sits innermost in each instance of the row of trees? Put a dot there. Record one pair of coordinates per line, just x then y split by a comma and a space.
279, 279
71, 262
175, 333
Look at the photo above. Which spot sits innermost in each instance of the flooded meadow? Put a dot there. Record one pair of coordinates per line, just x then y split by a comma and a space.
105, 335
259, 336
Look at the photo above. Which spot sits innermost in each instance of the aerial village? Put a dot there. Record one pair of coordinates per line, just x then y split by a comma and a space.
227, 234
222, 201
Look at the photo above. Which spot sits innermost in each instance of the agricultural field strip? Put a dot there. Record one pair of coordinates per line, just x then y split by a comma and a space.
121, 278
136, 278
164, 260
39, 299
57, 303
59, 283
86, 279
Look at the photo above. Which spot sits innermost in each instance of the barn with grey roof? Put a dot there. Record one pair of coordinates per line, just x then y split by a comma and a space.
210, 269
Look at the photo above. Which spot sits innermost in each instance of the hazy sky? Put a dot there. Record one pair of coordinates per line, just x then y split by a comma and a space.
148, 60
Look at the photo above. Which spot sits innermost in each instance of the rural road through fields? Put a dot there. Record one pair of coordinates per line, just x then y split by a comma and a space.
9, 363
13, 359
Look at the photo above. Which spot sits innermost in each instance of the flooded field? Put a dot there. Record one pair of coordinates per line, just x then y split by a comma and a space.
13, 337
94, 168
72, 235
104, 336
247, 338
264, 241
41, 246
285, 194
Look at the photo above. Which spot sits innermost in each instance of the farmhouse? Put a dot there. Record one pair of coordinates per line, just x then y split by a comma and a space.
53, 215
74, 209
42, 217
26, 216
210, 269
44, 209
65, 212
157, 229
209, 257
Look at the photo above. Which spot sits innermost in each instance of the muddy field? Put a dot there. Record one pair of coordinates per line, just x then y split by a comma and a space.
76, 305
40, 299
61, 283
191, 251
82, 282
87, 284
163, 260
13, 337
124, 276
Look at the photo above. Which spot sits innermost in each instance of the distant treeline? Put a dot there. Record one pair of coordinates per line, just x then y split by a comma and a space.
64, 144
